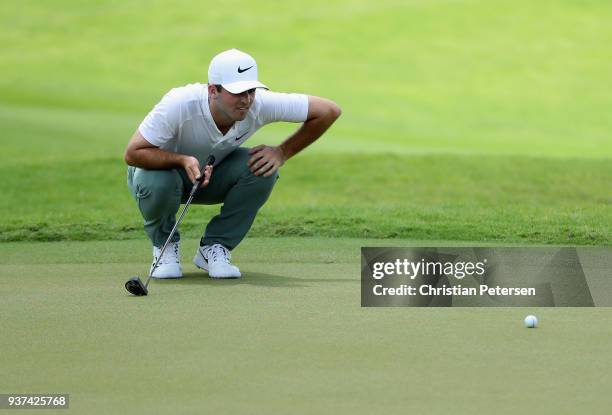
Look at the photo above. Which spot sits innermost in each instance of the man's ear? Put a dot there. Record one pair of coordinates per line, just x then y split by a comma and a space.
212, 91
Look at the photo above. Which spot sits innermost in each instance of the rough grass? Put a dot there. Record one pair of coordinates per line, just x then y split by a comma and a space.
487, 198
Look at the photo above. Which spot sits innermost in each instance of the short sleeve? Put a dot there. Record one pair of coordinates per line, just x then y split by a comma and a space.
162, 123
277, 106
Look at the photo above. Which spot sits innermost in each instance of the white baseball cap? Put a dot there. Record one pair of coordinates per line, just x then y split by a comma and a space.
235, 71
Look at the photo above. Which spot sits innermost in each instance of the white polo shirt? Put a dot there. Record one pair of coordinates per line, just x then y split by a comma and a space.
182, 123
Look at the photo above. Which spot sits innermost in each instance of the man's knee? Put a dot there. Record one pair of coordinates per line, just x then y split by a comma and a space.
265, 183
237, 166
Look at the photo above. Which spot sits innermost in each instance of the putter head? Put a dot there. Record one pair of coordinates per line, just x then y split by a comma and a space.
136, 287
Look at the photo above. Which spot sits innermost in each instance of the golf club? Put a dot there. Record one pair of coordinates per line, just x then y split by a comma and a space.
134, 285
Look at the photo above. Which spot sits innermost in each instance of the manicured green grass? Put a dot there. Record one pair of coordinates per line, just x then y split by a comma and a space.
463, 120
290, 337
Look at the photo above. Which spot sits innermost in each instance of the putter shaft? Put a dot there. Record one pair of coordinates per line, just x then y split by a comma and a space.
196, 186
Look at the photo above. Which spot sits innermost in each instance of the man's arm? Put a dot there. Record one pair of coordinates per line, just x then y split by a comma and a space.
141, 153
322, 113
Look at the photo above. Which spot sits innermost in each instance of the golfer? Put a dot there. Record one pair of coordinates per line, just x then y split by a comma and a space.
195, 121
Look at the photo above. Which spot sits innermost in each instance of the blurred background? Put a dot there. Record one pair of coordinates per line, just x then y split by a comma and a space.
462, 120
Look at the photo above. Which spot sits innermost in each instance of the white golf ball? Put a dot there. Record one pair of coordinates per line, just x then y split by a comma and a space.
531, 322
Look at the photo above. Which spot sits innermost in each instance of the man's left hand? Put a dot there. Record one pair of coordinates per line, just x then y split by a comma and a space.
265, 160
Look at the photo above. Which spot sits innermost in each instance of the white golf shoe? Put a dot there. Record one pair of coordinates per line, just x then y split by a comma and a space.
170, 263
216, 260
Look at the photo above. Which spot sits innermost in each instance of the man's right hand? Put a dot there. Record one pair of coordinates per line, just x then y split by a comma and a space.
192, 167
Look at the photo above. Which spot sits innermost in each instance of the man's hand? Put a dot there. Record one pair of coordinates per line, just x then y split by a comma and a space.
192, 167
265, 160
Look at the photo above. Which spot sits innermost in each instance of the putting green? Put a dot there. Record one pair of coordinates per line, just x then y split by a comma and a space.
290, 337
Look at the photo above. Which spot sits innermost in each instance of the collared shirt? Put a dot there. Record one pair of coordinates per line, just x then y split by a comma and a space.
182, 123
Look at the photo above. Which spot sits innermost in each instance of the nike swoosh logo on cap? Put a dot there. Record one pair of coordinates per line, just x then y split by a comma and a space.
240, 70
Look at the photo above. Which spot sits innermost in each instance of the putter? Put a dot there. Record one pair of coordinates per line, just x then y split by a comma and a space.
134, 285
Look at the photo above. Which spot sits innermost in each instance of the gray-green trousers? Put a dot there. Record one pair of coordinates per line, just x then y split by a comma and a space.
159, 194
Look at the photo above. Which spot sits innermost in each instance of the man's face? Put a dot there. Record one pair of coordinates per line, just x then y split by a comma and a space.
233, 106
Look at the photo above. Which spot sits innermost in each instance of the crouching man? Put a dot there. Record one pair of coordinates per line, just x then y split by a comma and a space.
197, 120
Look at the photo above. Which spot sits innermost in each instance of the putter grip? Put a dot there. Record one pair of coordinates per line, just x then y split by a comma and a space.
209, 162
